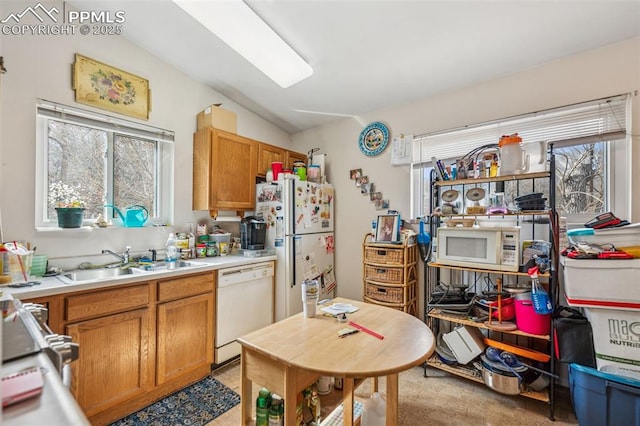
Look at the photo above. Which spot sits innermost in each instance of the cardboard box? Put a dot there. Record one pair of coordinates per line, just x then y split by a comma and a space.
465, 342
616, 340
220, 118
602, 283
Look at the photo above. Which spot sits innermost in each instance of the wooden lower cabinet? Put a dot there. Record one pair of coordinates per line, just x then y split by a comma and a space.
138, 342
115, 362
185, 336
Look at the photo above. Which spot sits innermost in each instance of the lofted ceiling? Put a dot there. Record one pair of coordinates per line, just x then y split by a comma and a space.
374, 54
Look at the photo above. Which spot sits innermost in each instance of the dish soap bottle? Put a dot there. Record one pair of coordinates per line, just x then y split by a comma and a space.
192, 241
172, 251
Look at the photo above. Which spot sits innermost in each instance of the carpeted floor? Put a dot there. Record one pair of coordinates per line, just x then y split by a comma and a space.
195, 405
439, 400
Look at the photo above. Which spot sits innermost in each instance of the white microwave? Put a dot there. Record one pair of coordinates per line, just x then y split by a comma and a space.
485, 248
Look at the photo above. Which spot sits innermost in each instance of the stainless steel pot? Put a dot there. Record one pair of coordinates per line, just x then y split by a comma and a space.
500, 381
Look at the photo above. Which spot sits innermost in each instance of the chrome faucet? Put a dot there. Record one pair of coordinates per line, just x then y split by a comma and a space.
124, 257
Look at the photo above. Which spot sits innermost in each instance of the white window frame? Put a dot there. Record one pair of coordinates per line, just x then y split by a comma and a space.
46, 110
599, 125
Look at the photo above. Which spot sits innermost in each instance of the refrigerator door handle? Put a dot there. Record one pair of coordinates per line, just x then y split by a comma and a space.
290, 270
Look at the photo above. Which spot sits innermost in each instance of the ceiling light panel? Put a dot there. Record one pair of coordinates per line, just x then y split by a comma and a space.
246, 33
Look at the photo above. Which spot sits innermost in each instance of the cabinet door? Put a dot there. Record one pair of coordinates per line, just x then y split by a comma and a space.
185, 336
292, 157
224, 170
267, 154
114, 363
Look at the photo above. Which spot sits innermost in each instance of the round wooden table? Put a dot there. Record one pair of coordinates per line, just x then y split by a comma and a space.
288, 356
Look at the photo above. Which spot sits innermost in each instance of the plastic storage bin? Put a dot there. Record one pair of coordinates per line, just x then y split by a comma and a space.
602, 283
616, 340
625, 238
221, 238
603, 399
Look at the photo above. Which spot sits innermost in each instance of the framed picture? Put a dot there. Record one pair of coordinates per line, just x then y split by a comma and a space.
376, 196
103, 86
388, 228
355, 174
366, 188
362, 180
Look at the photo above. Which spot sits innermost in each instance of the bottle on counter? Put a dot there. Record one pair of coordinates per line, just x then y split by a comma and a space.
192, 240
172, 251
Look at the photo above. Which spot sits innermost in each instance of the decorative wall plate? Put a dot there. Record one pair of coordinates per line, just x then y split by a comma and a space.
373, 139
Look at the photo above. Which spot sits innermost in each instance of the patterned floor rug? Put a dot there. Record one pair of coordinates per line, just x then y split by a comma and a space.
195, 405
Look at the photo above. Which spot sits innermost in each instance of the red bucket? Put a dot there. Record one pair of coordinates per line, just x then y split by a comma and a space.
528, 321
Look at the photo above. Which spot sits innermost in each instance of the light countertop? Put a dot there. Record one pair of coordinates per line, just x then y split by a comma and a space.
50, 286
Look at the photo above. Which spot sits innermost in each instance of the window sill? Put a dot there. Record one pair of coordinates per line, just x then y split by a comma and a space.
58, 229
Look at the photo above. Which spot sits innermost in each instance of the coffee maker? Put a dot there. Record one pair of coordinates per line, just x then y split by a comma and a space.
253, 230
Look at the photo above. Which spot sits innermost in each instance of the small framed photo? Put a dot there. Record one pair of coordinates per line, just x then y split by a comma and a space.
388, 228
366, 188
375, 196
355, 174
362, 180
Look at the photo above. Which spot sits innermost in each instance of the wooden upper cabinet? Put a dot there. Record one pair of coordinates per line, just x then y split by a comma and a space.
292, 157
224, 170
267, 154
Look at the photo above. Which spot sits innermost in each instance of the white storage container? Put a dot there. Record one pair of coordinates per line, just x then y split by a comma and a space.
616, 339
221, 238
465, 342
625, 238
604, 283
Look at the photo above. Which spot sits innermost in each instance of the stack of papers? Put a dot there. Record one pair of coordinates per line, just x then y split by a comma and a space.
340, 308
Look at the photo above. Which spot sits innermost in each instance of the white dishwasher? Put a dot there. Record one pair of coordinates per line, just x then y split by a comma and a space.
244, 303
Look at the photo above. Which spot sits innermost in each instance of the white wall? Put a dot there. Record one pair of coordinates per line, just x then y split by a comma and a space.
599, 73
40, 67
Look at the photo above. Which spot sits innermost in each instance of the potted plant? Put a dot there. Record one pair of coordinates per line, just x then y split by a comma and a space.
69, 206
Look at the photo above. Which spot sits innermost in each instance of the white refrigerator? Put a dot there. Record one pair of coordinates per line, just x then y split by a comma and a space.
299, 217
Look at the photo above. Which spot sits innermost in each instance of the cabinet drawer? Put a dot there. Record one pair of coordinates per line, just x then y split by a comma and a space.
387, 275
186, 286
386, 294
99, 303
386, 256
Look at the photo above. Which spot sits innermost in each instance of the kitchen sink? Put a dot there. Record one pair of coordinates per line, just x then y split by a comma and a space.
162, 266
96, 274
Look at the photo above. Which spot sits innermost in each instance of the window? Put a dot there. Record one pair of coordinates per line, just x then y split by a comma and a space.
591, 142
100, 161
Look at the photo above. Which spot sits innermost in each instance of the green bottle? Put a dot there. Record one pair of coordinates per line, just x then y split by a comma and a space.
263, 404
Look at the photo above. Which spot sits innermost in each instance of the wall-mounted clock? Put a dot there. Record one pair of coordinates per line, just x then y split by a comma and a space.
373, 139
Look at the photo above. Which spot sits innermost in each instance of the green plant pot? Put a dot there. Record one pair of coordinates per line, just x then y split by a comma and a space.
70, 217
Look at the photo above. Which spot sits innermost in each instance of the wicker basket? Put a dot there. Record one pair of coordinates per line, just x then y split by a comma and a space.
385, 294
386, 256
387, 275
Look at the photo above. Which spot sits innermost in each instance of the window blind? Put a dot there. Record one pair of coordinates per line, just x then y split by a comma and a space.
598, 120
102, 121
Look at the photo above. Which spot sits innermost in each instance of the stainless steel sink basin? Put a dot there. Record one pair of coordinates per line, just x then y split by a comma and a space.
97, 274
163, 266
